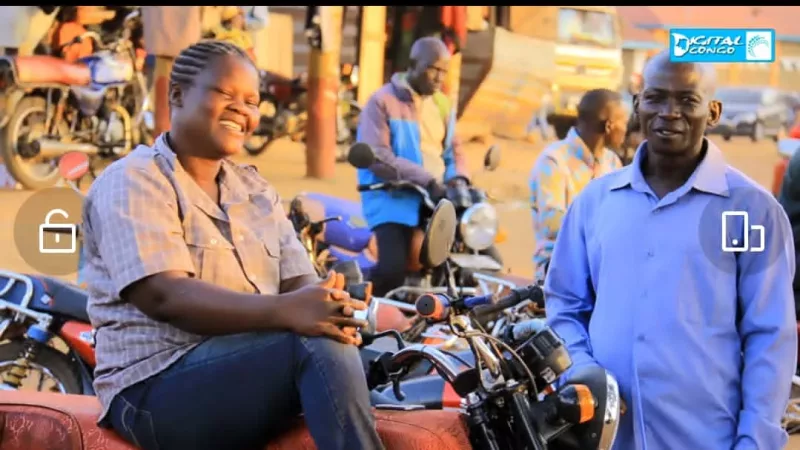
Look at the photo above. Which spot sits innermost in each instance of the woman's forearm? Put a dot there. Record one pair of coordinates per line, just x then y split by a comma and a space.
202, 308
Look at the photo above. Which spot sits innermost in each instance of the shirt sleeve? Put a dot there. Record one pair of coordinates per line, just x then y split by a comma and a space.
134, 223
569, 293
294, 258
549, 193
768, 331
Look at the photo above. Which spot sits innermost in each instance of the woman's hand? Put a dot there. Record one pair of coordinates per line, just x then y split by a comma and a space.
323, 310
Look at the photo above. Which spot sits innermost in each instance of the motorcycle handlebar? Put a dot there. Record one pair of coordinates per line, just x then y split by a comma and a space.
414, 352
438, 306
399, 184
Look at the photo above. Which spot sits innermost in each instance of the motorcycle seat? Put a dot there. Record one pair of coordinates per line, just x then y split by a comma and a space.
67, 299
49, 421
40, 69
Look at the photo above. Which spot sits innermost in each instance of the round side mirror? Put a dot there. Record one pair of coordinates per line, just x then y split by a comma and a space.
491, 160
439, 235
361, 155
73, 165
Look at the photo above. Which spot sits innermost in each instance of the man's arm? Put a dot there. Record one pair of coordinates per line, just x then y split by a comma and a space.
768, 332
373, 129
548, 189
568, 290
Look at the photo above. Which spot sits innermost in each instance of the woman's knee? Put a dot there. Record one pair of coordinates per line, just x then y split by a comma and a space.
329, 350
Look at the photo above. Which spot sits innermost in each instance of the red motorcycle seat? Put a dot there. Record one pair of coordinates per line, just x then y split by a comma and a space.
39, 69
47, 421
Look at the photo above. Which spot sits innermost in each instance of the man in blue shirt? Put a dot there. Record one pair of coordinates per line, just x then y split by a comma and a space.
690, 308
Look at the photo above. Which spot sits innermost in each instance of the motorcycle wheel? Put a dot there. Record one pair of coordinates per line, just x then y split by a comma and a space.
50, 363
30, 176
256, 145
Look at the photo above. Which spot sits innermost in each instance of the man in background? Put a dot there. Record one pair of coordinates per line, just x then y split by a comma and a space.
167, 31
565, 167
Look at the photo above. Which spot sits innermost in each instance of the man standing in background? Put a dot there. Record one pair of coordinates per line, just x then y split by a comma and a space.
167, 31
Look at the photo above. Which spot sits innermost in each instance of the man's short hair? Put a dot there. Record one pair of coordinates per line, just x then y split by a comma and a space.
594, 102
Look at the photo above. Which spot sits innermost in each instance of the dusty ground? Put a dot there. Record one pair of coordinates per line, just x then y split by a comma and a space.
283, 165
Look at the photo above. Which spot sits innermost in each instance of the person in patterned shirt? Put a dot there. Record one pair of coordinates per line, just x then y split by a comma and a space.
565, 167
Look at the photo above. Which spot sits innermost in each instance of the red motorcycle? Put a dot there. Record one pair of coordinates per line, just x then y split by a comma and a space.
284, 110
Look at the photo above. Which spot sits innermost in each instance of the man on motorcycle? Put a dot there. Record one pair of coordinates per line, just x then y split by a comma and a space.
702, 340
411, 125
565, 167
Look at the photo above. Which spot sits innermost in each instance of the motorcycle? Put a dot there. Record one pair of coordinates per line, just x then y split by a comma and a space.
284, 110
509, 400
98, 106
340, 234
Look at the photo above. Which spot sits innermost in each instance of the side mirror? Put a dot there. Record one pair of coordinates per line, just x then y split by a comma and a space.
787, 147
491, 161
439, 235
361, 155
73, 166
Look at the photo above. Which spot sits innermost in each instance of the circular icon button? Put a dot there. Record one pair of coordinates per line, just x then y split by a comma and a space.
47, 231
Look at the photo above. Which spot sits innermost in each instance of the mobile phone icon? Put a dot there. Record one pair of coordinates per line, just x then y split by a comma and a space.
740, 220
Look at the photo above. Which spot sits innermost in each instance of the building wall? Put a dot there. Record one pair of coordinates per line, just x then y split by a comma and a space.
301, 49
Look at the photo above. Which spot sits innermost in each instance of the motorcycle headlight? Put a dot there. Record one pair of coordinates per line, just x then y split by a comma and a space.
478, 226
354, 76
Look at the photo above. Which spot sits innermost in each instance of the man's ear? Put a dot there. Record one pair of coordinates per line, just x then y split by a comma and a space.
175, 95
714, 112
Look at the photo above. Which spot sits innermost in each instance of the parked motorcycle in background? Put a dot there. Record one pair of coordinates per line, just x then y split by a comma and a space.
284, 110
98, 106
45, 334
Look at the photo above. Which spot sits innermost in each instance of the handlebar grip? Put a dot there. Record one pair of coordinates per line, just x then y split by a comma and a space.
516, 296
433, 306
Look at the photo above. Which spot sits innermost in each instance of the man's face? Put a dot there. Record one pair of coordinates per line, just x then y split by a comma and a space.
616, 126
428, 77
674, 109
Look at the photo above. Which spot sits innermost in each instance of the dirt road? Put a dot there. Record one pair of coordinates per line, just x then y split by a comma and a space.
283, 165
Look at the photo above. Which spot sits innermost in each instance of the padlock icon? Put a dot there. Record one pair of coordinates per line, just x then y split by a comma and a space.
58, 230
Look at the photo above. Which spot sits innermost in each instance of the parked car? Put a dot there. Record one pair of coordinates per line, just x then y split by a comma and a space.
752, 111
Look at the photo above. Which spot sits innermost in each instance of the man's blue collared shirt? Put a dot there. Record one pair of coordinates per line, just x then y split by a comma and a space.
703, 341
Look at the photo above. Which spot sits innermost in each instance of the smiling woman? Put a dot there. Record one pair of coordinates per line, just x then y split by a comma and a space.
193, 263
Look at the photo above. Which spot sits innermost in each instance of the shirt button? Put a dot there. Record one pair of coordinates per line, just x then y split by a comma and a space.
213, 241
640, 338
650, 253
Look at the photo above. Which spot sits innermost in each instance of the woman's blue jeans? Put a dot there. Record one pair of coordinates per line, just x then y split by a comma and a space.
239, 391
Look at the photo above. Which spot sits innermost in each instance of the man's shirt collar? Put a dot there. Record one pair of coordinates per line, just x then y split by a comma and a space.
709, 176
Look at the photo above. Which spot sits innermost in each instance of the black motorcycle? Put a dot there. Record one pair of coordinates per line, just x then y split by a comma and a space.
509, 398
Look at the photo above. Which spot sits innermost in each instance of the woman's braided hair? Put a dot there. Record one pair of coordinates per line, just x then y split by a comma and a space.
195, 58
